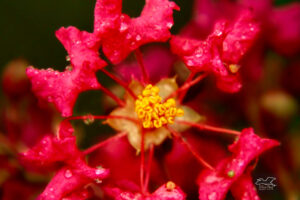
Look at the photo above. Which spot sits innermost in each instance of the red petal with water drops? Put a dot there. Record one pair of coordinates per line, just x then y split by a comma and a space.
63, 88
243, 188
214, 184
68, 181
165, 193
162, 193
61, 153
223, 47
120, 34
240, 37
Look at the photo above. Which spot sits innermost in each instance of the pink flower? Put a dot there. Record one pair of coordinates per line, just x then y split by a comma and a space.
214, 184
60, 153
221, 52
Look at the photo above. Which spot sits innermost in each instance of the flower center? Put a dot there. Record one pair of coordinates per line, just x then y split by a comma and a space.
152, 112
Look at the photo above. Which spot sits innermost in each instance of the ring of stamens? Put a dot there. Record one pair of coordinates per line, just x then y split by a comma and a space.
152, 112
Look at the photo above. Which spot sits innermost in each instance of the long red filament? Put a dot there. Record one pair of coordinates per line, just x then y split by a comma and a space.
209, 128
178, 136
139, 58
120, 82
102, 143
151, 151
142, 165
113, 96
188, 80
187, 86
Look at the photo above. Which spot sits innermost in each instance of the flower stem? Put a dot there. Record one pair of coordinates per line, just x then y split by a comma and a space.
119, 81
102, 143
113, 96
151, 151
190, 148
209, 128
139, 58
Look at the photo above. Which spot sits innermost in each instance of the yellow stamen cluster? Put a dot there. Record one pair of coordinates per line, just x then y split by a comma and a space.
152, 112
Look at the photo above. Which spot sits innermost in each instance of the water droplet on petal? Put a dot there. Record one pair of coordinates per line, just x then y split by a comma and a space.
138, 38
68, 173
98, 171
169, 25
123, 27
212, 196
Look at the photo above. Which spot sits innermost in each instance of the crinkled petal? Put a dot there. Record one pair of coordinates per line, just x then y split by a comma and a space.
240, 38
120, 35
164, 193
244, 189
82, 48
214, 184
223, 48
65, 182
63, 88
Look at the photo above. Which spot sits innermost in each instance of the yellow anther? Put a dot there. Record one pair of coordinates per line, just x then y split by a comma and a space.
147, 124
180, 112
163, 120
171, 120
155, 90
157, 123
170, 185
141, 113
152, 111
173, 112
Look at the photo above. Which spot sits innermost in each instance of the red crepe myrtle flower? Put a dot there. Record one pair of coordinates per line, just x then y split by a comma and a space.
147, 112
221, 52
117, 34
60, 153
214, 184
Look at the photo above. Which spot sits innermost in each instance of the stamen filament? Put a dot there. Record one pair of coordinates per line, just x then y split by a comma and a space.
101, 117
113, 96
139, 58
102, 143
209, 128
119, 81
142, 165
188, 80
178, 136
151, 151
187, 86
